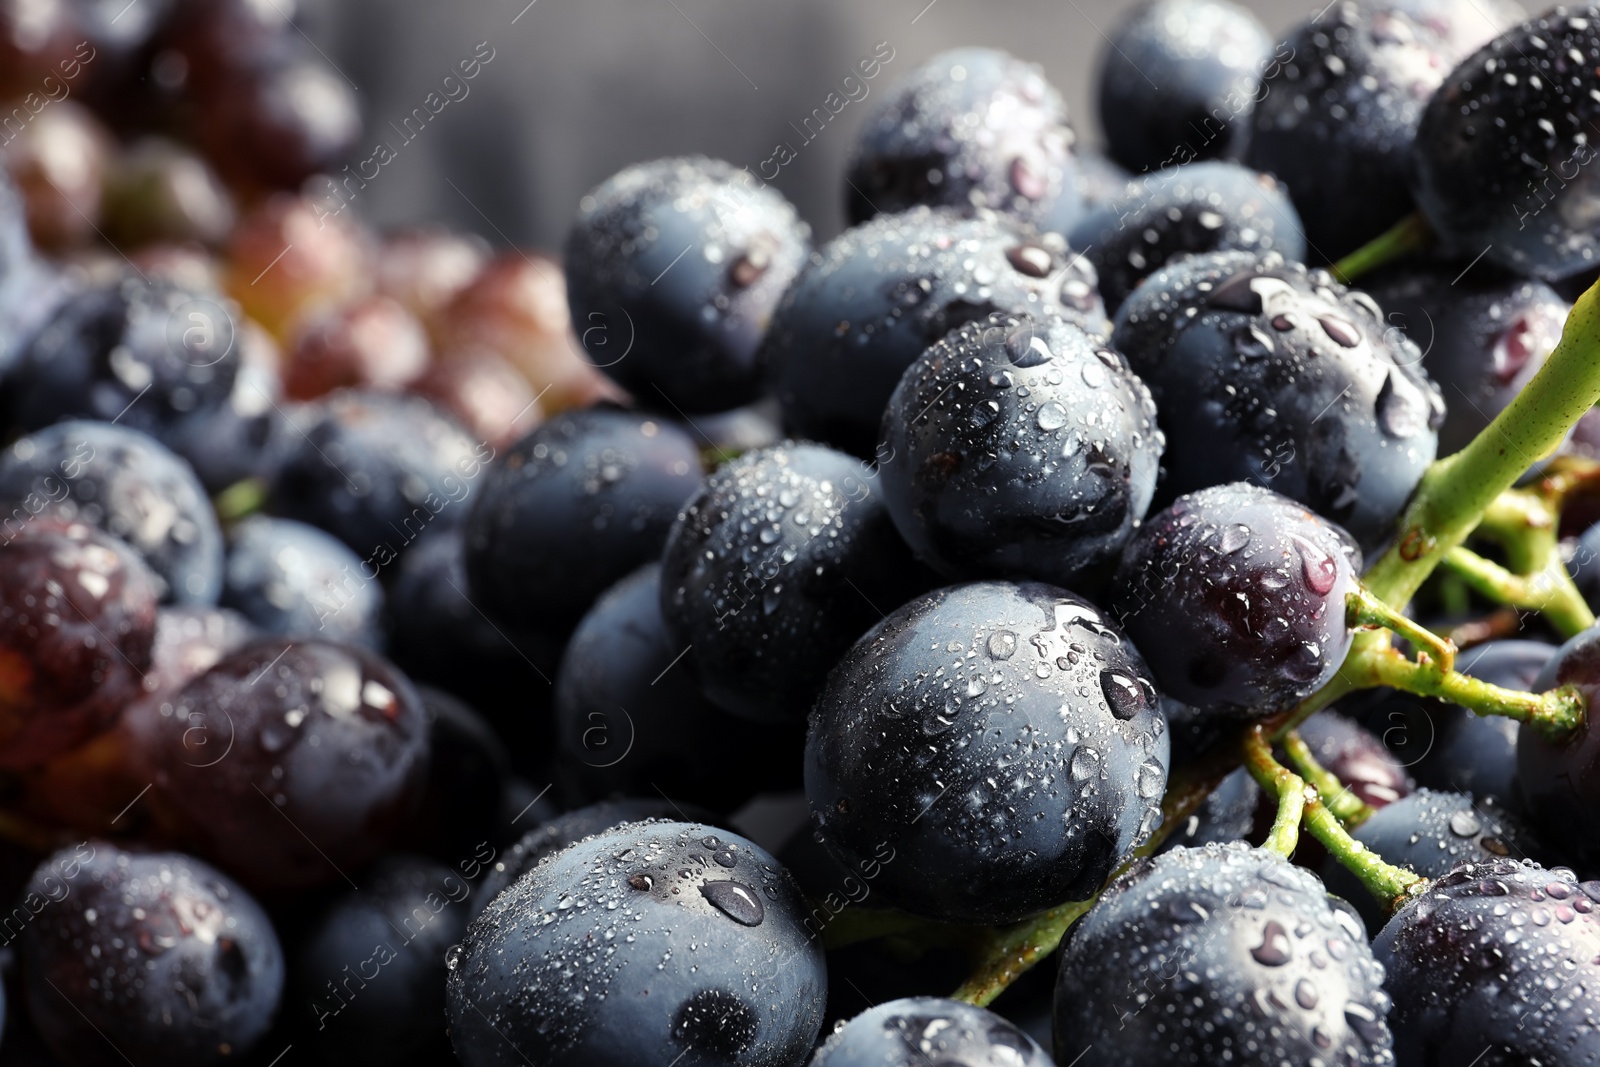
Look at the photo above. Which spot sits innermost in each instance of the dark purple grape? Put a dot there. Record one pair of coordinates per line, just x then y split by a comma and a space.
1430, 834
145, 354
128, 485
875, 297
289, 763
278, 124
294, 580
1494, 961
438, 636
1178, 80
469, 774
1500, 153
971, 127
1265, 371
922, 1030
1482, 334
1200, 207
631, 717
1221, 954
1559, 781
1236, 596
588, 958
370, 973
783, 558
572, 508
1357, 757
1228, 814
1003, 740
557, 832
1338, 116
1018, 447
77, 625
673, 269
146, 958
377, 470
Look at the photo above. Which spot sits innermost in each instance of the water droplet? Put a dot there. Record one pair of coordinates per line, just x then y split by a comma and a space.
1305, 994
1399, 413
1031, 259
1085, 763
1234, 538
1345, 333
1275, 949
1125, 696
1029, 179
735, 900
1150, 779
641, 882
1051, 416
1025, 348
748, 268
1002, 645
1319, 568
1365, 1023
1464, 824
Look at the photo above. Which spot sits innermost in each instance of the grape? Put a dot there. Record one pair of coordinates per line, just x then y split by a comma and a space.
971, 127
374, 343
631, 718
1220, 954
1210, 55
1267, 372
1018, 447
783, 558
524, 985
1236, 596
1501, 142
1001, 742
1431, 834
293, 580
77, 625
881, 293
573, 507
1488, 962
288, 764
673, 269
164, 958
917, 1029
127, 484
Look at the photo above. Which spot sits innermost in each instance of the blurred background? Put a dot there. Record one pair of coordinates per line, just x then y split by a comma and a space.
577, 91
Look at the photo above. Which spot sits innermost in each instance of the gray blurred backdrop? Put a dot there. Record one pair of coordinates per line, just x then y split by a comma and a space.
577, 89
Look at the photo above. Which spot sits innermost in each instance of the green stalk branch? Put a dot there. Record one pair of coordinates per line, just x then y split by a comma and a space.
1457, 490
1549, 590
1362, 609
1409, 235
1555, 713
1389, 884
1348, 808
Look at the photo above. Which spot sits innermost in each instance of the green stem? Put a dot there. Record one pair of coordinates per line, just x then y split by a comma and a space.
1409, 235
1555, 713
1362, 609
1549, 591
1456, 490
1389, 884
241, 499
1348, 808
